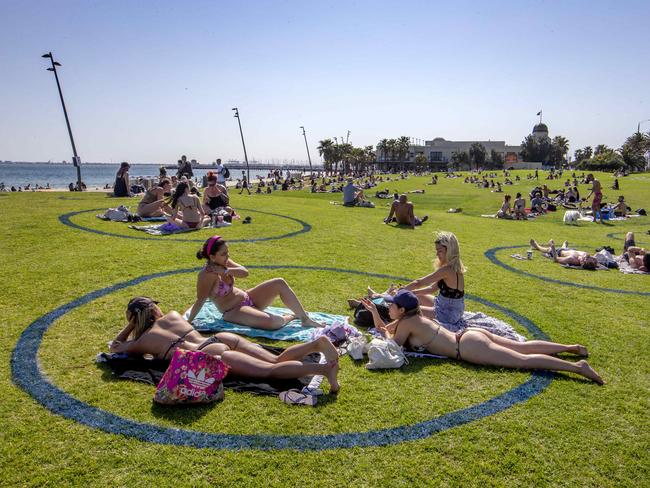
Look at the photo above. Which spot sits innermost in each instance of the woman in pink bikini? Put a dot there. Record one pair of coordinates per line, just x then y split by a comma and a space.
477, 346
216, 281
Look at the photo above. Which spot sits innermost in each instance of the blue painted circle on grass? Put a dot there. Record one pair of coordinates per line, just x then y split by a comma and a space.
27, 374
65, 219
638, 238
491, 255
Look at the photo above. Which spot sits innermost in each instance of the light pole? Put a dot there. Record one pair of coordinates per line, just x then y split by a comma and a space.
248, 172
307, 146
638, 126
75, 158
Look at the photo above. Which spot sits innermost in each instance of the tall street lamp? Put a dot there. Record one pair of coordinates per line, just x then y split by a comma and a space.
307, 146
248, 172
75, 159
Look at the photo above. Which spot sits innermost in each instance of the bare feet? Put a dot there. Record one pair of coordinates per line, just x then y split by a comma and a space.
551, 250
308, 322
288, 318
332, 366
565, 244
588, 372
581, 351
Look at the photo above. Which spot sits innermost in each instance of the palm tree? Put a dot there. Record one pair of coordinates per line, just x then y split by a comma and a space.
562, 145
392, 148
382, 146
326, 150
403, 146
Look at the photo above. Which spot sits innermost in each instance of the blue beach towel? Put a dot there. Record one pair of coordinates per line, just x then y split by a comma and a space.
161, 229
210, 319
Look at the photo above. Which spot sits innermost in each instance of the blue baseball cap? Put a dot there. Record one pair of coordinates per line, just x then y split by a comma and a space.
403, 298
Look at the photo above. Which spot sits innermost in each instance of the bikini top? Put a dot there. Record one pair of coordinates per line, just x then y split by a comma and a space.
222, 287
192, 205
448, 292
175, 343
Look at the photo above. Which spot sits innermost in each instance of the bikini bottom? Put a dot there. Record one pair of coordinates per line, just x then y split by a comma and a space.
246, 302
207, 342
459, 335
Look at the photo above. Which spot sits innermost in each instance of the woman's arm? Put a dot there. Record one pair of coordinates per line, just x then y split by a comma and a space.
203, 287
399, 334
376, 318
236, 270
427, 280
126, 182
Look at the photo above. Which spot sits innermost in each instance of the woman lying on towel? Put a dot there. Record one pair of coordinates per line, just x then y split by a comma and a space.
216, 281
473, 345
158, 334
564, 255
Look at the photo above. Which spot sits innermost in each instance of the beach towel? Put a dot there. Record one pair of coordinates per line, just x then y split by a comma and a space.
161, 229
210, 319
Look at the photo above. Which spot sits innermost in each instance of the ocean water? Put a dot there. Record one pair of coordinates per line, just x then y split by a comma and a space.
93, 175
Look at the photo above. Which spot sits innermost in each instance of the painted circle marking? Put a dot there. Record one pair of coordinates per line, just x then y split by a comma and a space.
26, 373
491, 255
65, 219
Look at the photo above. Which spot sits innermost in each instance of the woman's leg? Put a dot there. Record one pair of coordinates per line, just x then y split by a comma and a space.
264, 294
477, 348
535, 346
255, 318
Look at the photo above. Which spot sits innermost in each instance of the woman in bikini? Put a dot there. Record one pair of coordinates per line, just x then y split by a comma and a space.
215, 195
409, 327
158, 334
216, 281
153, 202
596, 191
187, 211
565, 255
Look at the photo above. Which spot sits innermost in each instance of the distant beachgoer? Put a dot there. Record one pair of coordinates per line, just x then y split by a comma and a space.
221, 179
149, 331
402, 212
216, 281
596, 191
244, 183
520, 207
621, 208
153, 202
187, 210
353, 195
566, 255
409, 327
122, 187
505, 212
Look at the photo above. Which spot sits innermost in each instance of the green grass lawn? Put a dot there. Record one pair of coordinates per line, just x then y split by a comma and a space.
573, 433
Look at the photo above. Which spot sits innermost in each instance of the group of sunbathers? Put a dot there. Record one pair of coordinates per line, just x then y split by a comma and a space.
417, 318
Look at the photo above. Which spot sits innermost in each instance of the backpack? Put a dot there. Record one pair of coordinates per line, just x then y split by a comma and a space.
225, 173
363, 317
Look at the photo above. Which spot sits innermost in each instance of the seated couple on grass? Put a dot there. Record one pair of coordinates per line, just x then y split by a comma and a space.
150, 331
216, 282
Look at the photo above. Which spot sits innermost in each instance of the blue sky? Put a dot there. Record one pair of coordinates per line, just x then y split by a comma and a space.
148, 81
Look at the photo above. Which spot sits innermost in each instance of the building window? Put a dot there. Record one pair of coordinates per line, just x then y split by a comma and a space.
435, 156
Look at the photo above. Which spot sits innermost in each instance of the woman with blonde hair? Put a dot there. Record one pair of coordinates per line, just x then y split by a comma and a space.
448, 305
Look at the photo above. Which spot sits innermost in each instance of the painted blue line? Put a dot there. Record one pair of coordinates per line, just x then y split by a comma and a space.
491, 255
26, 373
65, 219
614, 235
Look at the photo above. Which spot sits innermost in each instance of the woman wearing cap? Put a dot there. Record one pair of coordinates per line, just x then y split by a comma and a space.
122, 186
216, 281
152, 332
477, 346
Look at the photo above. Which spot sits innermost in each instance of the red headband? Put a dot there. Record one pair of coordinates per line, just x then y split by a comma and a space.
211, 242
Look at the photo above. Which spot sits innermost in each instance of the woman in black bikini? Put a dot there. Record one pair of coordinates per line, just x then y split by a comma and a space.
158, 334
477, 346
214, 195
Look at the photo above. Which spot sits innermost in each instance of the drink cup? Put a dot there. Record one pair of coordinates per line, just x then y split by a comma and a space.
529, 254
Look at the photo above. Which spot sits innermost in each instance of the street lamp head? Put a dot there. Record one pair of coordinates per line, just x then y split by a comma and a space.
50, 69
46, 56
56, 63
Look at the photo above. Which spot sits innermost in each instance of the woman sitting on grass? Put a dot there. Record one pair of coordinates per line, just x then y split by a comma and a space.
187, 210
216, 281
505, 212
158, 334
153, 202
564, 255
477, 346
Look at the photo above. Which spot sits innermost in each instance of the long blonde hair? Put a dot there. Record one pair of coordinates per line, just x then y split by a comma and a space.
450, 242
142, 319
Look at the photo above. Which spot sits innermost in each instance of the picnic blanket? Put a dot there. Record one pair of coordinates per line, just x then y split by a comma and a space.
161, 229
210, 319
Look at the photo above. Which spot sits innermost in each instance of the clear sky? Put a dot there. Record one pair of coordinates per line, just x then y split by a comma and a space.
147, 81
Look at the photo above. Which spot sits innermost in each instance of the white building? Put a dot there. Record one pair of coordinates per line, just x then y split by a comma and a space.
439, 151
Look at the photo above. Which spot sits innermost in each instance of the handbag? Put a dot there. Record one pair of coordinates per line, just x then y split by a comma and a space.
385, 354
192, 377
